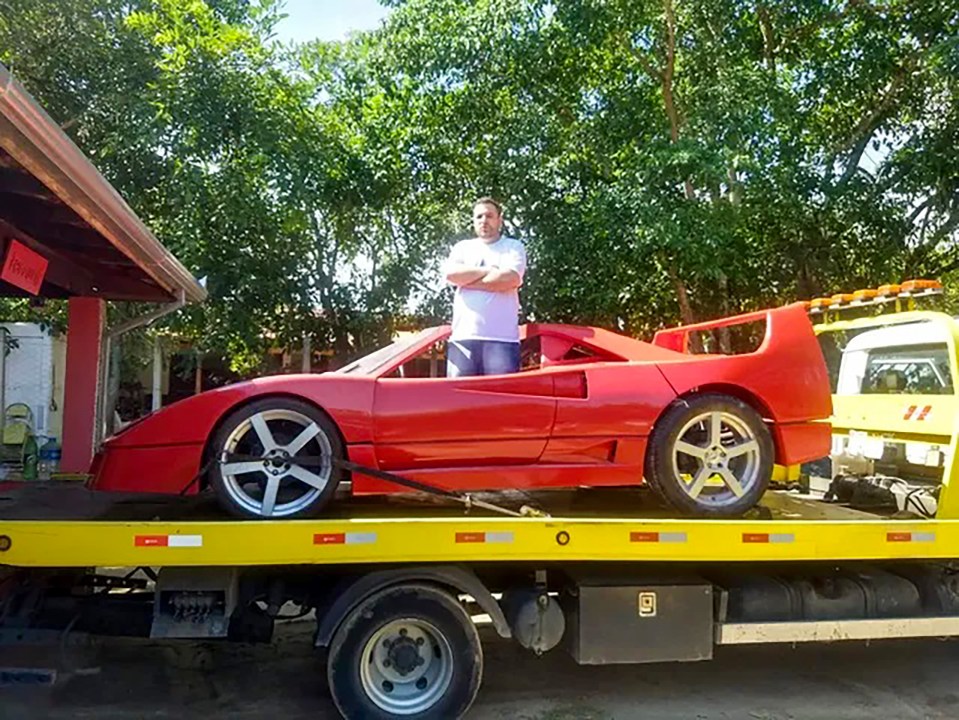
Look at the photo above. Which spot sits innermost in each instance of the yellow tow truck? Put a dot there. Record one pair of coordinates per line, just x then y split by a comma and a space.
395, 589
894, 370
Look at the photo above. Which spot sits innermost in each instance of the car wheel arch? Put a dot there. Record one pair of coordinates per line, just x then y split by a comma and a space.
245, 402
735, 391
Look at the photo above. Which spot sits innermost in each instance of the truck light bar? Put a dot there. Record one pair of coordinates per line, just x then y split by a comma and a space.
894, 292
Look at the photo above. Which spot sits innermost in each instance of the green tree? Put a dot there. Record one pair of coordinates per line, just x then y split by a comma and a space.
664, 160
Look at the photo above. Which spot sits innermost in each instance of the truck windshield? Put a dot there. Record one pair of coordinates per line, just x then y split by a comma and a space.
920, 369
909, 358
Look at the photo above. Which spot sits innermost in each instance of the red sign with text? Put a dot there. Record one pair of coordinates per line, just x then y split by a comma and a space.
23, 267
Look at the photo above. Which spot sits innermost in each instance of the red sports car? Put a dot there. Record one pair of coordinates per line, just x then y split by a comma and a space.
589, 408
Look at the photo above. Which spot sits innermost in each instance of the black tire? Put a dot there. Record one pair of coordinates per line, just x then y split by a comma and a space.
416, 603
662, 476
287, 414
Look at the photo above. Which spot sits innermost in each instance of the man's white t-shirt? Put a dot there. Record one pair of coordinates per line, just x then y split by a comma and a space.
480, 314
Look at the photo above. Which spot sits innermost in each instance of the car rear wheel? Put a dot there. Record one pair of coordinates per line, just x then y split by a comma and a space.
273, 459
710, 455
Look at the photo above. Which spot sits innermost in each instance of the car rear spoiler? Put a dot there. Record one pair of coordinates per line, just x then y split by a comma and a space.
677, 339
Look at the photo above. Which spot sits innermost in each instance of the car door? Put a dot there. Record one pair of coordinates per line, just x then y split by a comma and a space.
604, 415
460, 422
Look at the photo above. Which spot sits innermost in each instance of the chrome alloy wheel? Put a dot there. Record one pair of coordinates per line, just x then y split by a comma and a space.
276, 485
717, 458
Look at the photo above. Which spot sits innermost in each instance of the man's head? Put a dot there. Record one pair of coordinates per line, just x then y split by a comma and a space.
487, 219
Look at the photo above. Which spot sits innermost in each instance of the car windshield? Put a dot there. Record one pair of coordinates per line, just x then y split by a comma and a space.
368, 364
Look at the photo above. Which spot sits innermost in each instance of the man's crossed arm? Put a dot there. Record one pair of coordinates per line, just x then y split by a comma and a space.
489, 279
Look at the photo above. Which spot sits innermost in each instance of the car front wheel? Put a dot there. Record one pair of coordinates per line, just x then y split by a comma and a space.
274, 458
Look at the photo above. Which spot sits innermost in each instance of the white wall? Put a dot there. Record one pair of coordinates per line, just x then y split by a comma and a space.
33, 374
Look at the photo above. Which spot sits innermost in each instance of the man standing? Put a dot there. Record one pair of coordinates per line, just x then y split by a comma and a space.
486, 270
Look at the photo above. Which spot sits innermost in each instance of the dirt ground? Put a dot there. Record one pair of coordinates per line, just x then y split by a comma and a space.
131, 680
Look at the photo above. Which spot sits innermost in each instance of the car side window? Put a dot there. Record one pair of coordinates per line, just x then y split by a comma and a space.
431, 363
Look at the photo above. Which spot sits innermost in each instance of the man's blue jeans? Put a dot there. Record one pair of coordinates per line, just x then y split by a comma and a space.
481, 357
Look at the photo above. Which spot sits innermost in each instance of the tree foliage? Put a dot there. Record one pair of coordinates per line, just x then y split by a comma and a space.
662, 159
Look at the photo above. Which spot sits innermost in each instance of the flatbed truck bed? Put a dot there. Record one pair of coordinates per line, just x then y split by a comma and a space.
607, 575
71, 527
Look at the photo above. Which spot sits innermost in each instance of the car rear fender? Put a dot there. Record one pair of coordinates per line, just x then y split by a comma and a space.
786, 377
747, 397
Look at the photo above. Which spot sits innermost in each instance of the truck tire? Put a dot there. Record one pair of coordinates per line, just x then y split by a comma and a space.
408, 651
710, 455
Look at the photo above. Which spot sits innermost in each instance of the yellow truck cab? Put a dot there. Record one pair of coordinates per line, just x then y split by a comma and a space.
893, 371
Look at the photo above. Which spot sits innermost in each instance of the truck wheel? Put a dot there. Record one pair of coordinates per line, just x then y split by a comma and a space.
409, 651
710, 455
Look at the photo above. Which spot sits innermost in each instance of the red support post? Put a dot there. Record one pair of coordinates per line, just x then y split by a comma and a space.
86, 317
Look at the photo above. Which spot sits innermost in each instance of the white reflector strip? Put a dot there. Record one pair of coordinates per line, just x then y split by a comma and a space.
782, 538
355, 538
499, 537
673, 537
185, 541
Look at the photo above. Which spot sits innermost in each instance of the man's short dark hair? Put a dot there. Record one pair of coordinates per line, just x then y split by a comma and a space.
486, 200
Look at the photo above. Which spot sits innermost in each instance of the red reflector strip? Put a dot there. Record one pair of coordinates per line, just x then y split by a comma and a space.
909, 411
925, 411
470, 537
656, 537
910, 537
173, 541
150, 541
484, 537
763, 538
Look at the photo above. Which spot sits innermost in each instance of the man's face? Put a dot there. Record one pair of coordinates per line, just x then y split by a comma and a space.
486, 221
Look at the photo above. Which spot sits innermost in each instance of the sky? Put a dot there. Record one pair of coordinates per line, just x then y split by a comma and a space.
328, 19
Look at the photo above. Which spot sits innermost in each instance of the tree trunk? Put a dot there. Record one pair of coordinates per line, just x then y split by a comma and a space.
769, 42
113, 386
685, 309
806, 285
669, 99
735, 198
725, 343
198, 374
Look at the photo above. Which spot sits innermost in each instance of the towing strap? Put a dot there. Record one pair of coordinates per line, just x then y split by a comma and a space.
465, 498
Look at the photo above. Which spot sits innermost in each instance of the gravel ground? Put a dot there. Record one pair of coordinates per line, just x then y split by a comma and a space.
899, 680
